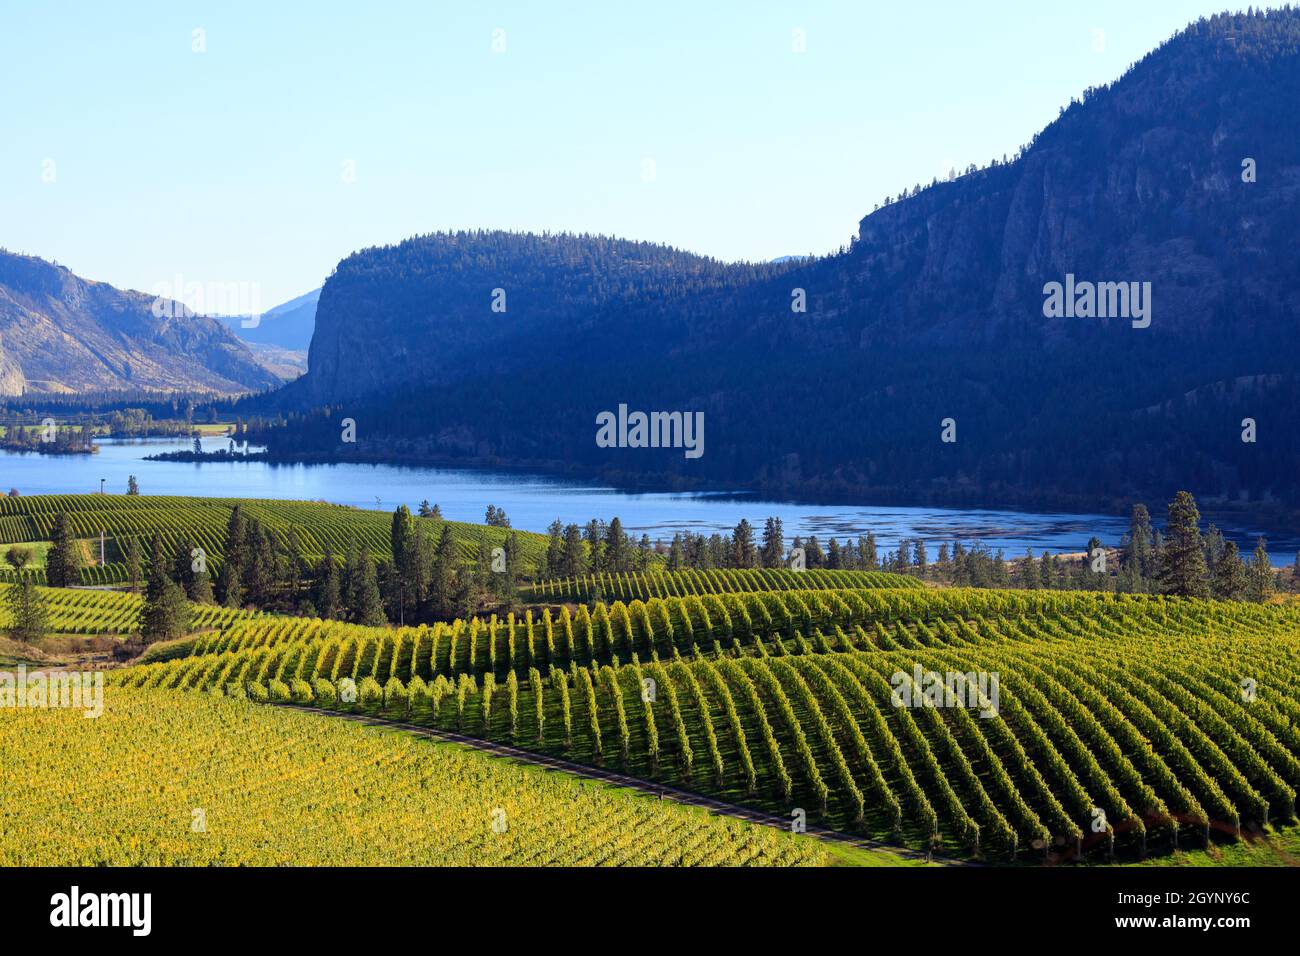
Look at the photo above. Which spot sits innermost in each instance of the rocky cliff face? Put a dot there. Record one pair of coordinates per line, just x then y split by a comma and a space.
1179, 174
439, 307
1182, 177
61, 333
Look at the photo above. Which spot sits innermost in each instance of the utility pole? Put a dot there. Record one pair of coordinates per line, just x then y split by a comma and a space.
101, 485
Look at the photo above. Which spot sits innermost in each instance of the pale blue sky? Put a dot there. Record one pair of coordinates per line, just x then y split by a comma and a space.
227, 166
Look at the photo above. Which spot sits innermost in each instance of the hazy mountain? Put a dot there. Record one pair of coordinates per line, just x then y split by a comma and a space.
288, 326
62, 333
1178, 177
285, 364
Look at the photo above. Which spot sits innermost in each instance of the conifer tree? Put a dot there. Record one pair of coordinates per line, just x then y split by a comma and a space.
1183, 570
574, 556
870, 561
743, 553
134, 565
1028, 571
616, 547
63, 561
1138, 553
230, 584
554, 559
28, 611
594, 535
773, 543
1230, 581
442, 595
165, 613
365, 605
677, 554
327, 593
1261, 573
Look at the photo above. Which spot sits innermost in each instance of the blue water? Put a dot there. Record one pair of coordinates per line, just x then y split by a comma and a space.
533, 502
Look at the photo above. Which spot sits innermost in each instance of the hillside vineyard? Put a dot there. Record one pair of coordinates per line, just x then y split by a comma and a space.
1100, 745
203, 522
185, 780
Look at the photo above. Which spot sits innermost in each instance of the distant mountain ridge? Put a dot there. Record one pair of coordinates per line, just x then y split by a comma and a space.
831, 376
62, 333
286, 326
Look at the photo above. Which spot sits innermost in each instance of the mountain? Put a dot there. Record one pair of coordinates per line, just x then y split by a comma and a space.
284, 364
288, 326
62, 333
437, 306
1178, 178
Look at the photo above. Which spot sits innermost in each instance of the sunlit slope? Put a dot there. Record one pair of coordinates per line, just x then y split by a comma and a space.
203, 521
1124, 724
189, 779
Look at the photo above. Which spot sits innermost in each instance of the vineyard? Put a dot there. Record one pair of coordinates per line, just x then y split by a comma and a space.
111, 612
631, 586
203, 521
1118, 726
162, 780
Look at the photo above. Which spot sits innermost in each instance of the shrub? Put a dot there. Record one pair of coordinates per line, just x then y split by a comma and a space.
278, 691
257, 692
396, 700
419, 699
300, 691
324, 691
236, 690
370, 696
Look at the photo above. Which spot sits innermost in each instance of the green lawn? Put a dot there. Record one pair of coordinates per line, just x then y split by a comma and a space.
39, 550
1277, 848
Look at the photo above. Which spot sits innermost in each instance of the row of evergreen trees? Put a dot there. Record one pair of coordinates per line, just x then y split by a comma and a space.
597, 547
1147, 560
425, 580
428, 580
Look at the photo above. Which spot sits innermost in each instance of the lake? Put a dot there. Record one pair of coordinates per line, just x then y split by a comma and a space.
533, 502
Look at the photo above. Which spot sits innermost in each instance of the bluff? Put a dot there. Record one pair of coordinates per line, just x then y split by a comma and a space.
1181, 176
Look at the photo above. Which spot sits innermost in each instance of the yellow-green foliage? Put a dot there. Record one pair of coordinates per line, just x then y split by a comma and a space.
1123, 723
272, 787
633, 585
203, 521
110, 612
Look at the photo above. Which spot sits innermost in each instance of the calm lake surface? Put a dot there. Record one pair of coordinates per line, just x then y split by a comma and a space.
533, 502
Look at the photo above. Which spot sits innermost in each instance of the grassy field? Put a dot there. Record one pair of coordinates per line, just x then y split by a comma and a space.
39, 550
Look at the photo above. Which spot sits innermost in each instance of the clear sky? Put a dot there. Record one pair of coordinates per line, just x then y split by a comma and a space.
306, 131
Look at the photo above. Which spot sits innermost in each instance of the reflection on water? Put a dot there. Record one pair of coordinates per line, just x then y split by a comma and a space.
533, 502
